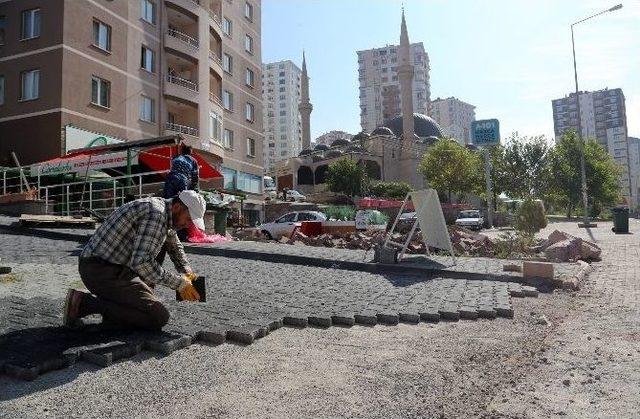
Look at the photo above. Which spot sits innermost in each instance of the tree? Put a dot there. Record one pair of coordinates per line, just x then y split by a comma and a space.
449, 167
393, 190
603, 186
523, 167
347, 177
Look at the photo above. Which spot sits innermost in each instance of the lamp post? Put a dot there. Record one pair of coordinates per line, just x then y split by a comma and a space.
583, 172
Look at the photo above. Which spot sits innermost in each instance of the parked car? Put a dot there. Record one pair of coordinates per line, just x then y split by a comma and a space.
293, 195
284, 225
471, 219
405, 222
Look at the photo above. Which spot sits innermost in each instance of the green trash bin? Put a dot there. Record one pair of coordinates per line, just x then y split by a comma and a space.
620, 220
220, 220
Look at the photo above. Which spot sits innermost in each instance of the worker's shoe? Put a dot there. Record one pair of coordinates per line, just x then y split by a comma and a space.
71, 313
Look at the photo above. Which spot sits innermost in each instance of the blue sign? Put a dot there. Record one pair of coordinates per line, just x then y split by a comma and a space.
485, 132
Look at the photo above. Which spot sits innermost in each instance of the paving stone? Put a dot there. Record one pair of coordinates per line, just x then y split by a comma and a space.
449, 313
469, 313
409, 317
504, 311
167, 343
105, 355
296, 320
486, 312
213, 334
320, 320
343, 319
529, 291
388, 318
430, 315
243, 334
366, 317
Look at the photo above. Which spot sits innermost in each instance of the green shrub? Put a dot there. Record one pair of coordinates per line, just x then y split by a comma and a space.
392, 190
530, 217
340, 212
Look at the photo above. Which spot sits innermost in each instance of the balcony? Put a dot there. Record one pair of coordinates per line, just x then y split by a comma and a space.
215, 62
215, 99
189, 5
183, 38
181, 88
181, 129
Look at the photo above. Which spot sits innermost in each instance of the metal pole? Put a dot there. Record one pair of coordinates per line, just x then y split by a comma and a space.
487, 176
46, 200
4, 182
583, 170
90, 195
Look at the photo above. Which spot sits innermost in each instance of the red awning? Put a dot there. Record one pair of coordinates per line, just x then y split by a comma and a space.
159, 159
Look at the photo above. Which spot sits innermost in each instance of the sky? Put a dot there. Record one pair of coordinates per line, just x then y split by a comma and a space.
509, 58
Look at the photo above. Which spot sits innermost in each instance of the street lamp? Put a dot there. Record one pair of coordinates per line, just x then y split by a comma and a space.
583, 172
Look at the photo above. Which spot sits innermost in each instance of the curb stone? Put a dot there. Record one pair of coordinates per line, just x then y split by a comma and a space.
575, 282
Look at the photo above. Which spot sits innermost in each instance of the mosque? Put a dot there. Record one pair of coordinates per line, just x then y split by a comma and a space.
392, 152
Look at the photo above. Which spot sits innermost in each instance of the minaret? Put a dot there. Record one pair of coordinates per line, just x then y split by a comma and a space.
405, 75
305, 107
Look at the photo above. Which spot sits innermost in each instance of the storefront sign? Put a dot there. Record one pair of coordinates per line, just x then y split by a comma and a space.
79, 138
79, 164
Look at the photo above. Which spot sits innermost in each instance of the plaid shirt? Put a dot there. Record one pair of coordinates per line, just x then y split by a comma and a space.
133, 236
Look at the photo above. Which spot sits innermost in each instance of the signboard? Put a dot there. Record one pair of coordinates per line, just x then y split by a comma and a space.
79, 164
485, 132
76, 138
431, 219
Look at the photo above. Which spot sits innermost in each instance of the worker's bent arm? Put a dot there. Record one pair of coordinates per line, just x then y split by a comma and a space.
150, 236
176, 252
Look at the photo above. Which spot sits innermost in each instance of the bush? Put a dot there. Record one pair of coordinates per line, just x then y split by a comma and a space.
393, 190
530, 217
340, 212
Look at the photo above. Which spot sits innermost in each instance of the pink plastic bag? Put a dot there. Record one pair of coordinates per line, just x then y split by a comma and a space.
195, 235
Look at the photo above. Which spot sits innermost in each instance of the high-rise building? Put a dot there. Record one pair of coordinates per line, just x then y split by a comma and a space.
329, 137
380, 98
131, 70
454, 117
634, 171
603, 117
281, 92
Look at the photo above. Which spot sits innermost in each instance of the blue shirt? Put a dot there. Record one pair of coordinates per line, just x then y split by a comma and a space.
187, 166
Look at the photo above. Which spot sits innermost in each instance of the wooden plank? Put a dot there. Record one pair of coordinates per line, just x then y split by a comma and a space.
31, 219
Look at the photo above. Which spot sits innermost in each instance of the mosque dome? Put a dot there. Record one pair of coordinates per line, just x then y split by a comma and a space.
305, 152
321, 147
332, 154
423, 126
340, 142
382, 131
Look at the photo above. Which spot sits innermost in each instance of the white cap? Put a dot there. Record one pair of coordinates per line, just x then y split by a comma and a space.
196, 205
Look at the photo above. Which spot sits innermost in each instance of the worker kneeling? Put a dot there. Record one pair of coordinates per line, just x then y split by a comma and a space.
122, 262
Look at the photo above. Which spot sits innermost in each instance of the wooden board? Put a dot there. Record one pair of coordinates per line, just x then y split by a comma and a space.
30, 219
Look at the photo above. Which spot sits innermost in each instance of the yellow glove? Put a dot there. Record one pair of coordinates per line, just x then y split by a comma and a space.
190, 276
187, 291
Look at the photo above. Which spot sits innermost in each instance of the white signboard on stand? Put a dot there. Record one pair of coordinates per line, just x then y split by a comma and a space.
431, 219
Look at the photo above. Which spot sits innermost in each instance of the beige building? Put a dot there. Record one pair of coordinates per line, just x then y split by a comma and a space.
454, 117
133, 69
329, 137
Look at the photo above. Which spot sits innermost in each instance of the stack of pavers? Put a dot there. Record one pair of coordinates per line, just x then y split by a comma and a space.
32, 342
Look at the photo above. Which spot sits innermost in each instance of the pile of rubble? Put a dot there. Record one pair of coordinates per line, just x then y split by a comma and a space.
563, 247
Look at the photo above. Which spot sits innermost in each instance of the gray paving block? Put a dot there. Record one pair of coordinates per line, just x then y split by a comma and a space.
105, 355
519, 293
213, 334
343, 319
469, 313
167, 344
295, 320
320, 320
504, 311
486, 312
449, 313
243, 334
366, 317
429, 315
409, 317
5, 270
388, 318
530, 291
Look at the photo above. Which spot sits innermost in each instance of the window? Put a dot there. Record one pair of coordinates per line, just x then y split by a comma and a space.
283, 104
100, 91
101, 35
248, 11
1, 90
248, 44
283, 113
288, 218
282, 89
227, 63
249, 77
283, 153
250, 183
228, 138
251, 147
147, 109
3, 25
227, 26
215, 127
30, 24
229, 176
147, 59
30, 85
281, 74
272, 145
249, 112
148, 11
227, 100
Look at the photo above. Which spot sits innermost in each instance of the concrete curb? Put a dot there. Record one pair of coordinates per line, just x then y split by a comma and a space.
576, 281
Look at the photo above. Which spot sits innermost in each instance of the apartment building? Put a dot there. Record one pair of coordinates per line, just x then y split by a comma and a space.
281, 93
329, 137
380, 98
128, 70
602, 117
454, 117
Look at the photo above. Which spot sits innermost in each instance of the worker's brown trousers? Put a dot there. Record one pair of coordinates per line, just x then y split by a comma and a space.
122, 297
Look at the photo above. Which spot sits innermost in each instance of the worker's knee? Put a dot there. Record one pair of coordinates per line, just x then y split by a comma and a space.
158, 316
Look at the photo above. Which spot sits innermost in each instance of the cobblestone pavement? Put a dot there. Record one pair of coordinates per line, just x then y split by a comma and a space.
246, 300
